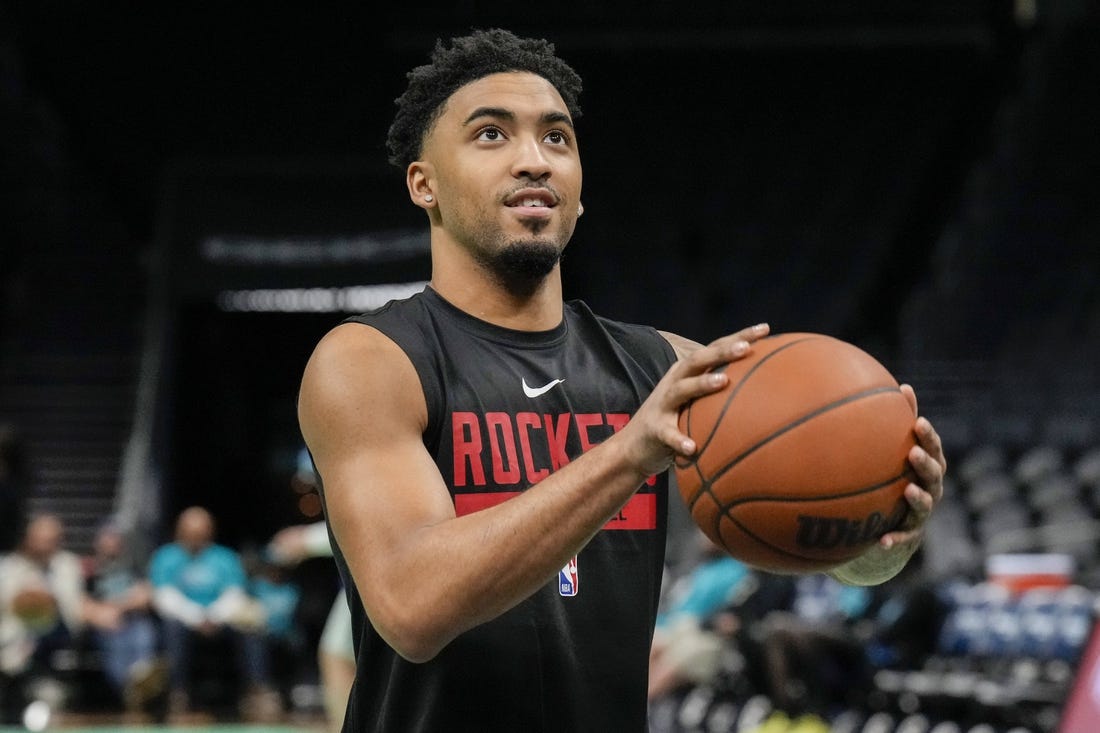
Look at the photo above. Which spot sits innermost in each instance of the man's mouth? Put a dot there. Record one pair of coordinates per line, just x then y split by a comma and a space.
529, 198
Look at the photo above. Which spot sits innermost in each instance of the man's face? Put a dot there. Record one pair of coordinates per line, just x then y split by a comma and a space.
194, 530
503, 166
43, 538
108, 544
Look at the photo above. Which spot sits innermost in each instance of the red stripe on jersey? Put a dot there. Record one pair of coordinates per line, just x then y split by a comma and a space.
470, 503
638, 513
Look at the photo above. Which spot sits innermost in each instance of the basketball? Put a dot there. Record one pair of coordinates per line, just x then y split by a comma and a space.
802, 458
35, 607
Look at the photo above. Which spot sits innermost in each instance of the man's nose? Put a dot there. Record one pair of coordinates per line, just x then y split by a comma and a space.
531, 161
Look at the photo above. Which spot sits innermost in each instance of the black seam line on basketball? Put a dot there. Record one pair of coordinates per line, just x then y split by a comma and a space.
708, 488
718, 514
792, 499
795, 423
704, 487
732, 394
744, 378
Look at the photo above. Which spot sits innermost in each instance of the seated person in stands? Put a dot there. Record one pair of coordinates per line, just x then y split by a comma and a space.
200, 592
125, 630
685, 650
43, 607
822, 652
277, 597
335, 650
812, 653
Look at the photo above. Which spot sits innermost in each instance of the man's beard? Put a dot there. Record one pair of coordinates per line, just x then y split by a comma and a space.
521, 266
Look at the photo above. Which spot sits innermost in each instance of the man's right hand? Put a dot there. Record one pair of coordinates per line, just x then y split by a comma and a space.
655, 427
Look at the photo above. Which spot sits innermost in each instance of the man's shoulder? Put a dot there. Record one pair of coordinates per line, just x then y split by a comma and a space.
167, 550
397, 308
355, 340
221, 553
345, 364
13, 563
66, 559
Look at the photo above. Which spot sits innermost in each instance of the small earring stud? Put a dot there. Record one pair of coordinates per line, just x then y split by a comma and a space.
429, 198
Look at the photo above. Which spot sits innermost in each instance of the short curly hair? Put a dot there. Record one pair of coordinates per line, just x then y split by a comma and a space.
471, 57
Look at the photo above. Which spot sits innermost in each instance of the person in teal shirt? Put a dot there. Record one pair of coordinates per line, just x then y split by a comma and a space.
684, 650
200, 590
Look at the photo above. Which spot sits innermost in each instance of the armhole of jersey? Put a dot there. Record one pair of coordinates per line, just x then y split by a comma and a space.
670, 353
643, 343
427, 372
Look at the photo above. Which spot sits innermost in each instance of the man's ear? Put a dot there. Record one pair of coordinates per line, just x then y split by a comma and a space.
418, 179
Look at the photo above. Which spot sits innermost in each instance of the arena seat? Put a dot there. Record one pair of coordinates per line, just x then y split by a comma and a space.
989, 489
1038, 462
1087, 467
980, 460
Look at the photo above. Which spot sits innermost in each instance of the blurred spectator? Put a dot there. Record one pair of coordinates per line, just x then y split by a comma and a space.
125, 628
812, 654
685, 649
277, 598
13, 489
907, 624
822, 653
335, 653
200, 593
42, 607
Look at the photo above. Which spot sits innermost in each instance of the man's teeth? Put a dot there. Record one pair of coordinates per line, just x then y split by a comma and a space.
533, 202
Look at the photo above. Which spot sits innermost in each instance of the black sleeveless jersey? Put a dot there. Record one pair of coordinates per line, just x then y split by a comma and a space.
506, 408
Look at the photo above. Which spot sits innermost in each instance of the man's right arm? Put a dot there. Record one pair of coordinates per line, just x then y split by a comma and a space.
425, 575
169, 601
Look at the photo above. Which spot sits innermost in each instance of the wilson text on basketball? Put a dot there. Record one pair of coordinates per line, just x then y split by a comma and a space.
825, 533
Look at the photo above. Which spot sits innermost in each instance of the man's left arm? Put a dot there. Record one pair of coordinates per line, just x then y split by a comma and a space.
233, 602
67, 586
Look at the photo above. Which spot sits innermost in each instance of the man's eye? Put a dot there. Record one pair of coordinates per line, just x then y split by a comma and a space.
557, 137
490, 134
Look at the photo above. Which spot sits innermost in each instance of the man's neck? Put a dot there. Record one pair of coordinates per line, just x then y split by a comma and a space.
477, 292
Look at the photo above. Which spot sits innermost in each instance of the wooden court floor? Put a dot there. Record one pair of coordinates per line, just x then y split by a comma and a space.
197, 728
106, 723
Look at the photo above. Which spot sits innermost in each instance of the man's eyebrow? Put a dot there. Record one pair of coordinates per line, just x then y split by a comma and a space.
495, 112
556, 117
501, 113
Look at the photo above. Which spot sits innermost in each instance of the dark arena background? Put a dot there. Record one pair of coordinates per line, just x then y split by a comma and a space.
191, 196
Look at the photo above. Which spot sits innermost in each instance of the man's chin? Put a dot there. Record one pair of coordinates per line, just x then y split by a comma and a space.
521, 267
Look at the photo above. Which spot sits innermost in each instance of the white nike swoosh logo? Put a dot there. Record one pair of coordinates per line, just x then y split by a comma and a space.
536, 391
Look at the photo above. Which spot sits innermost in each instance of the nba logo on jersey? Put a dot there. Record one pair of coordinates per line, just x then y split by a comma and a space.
568, 579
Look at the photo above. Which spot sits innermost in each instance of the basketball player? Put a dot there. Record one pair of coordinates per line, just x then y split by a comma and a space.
335, 652
500, 524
